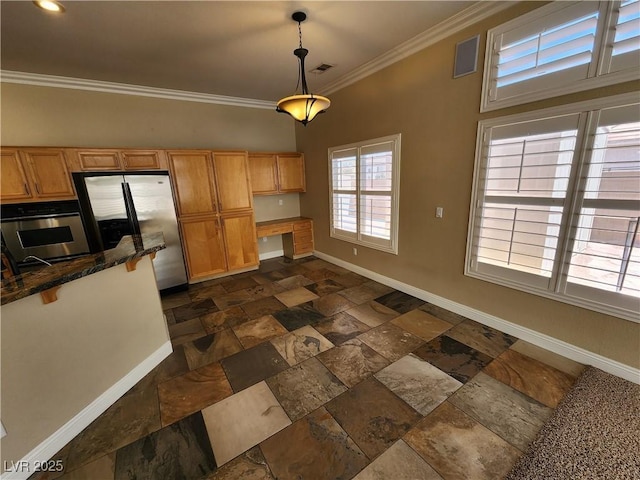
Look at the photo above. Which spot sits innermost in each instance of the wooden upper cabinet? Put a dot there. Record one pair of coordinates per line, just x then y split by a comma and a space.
143, 160
273, 173
95, 160
264, 174
49, 174
193, 181
291, 176
13, 178
232, 180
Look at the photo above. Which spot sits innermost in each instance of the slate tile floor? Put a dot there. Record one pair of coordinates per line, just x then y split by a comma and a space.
304, 370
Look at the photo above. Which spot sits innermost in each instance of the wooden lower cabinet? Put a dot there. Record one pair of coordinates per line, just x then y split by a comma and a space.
240, 240
203, 245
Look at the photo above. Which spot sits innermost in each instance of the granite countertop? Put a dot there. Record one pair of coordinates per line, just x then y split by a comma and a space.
29, 283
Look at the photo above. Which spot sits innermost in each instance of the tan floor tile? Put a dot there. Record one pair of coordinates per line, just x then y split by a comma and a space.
102, 468
400, 461
249, 466
242, 421
211, 348
353, 361
301, 344
418, 383
421, 324
372, 313
259, 330
294, 297
458, 447
186, 331
390, 341
482, 338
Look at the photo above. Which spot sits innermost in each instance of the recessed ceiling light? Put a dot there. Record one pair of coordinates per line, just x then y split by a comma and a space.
49, 5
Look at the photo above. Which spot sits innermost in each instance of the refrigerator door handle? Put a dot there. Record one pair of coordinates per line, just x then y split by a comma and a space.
131, 210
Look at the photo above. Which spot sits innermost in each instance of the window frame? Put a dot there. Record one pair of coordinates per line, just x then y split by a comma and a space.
623, 306
358, 237
598, 69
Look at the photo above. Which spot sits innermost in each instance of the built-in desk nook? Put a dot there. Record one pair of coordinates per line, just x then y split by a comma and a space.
297, 234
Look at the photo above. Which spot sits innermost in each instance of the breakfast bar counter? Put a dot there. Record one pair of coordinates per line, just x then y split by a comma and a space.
130, 250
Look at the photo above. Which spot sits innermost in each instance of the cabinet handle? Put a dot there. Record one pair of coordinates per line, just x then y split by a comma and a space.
26, 189
37, 189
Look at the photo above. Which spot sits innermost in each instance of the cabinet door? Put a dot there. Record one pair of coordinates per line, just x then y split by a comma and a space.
142, 160
203, 246
241, 241
264, 174
193, 182
13, 178
232, 177
96, 160
49, 172
291, 173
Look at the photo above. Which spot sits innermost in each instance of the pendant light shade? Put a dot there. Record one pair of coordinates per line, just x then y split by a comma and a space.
305, 106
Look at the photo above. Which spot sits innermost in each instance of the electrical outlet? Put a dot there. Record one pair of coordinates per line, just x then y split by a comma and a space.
355, 251
280, 202
264, 239
439, 212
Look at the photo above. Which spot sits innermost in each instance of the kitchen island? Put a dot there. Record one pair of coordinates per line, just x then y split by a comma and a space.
75, 337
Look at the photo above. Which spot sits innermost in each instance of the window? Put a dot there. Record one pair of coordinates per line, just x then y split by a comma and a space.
556, 204
561, 48
364, 179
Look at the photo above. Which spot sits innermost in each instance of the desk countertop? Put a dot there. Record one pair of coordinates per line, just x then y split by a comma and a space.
280, 220
29, 283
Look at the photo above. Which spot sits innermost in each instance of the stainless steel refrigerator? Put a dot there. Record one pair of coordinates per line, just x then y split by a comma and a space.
114, 205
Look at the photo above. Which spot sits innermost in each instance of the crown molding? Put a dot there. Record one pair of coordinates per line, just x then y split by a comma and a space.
25, 78
454, 24
460, 21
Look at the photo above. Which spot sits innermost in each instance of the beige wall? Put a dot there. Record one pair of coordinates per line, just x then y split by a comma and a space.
58, 358
437, 117
44, 116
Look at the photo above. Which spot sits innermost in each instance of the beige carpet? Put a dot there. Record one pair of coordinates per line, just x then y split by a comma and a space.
593, 434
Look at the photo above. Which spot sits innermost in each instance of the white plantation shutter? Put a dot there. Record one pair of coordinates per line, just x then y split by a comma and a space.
626, 41
556, 204
560, 48
364, 192
605, 255
523, 179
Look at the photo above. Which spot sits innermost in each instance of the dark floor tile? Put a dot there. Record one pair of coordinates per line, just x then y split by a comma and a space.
236, 284
251, 366
360, 294
340, 328
350, 279
194, 309
320, 274
211, 348
264, 306
298, 316
331, 304
314, 447
442, 313
203, 293
305, 387
229, 318
399, 301
482, 338
390, 341
186, 394
135, 415
457, 359
179, 451
295, 281
264, 290
175, 300
233, 299
325, 287
251, 465
259, 330
373, 416
186, 331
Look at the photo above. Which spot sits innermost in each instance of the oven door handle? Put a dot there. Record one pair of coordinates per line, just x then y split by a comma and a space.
40, 217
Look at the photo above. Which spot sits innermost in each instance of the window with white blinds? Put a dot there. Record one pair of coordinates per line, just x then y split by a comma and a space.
556, 204
560, 48
364, 192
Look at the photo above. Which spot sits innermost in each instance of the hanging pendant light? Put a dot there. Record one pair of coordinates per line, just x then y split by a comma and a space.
306, 106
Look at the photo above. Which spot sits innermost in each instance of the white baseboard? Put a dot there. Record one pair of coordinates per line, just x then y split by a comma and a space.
273, 254
539, 339
73, 427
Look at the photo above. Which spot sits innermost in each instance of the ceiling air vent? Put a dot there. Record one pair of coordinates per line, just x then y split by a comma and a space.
323, 67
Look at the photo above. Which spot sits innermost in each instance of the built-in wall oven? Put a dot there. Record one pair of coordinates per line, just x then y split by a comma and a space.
49, 231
